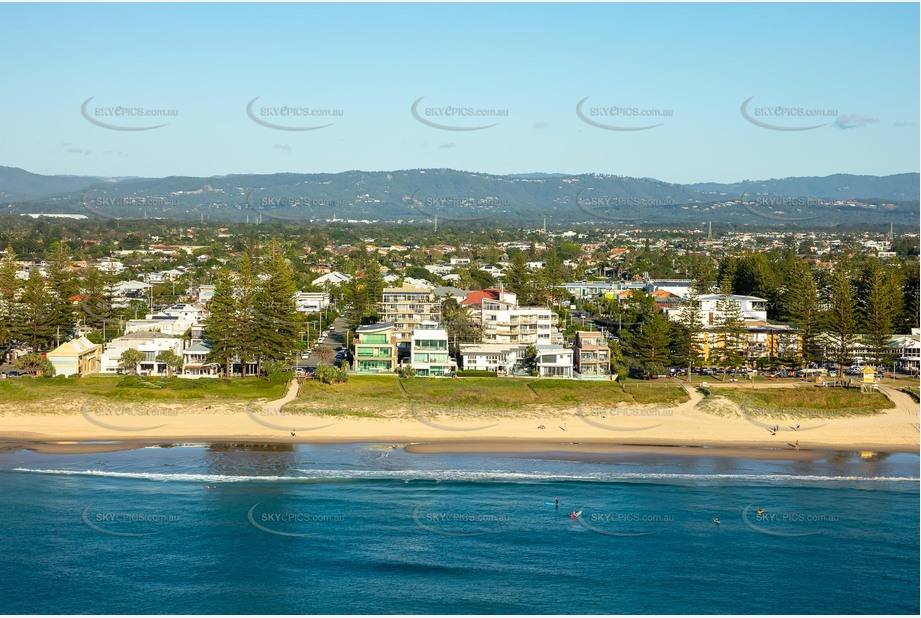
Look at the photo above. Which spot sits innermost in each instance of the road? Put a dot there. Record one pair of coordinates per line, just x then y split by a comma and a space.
333, 340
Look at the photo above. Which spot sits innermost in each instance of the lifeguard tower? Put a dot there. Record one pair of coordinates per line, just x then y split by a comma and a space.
870, 382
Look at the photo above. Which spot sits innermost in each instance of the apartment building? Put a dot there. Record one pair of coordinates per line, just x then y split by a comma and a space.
591, 356
375, 348
406, 308
429, 351
505, 322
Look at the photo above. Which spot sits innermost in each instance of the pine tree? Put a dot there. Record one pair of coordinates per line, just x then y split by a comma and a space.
841, 318
691, 321
221, 330
62, 286
10, 286
801, 306
279, 324
730, 329
96, 306
247, 317
518, 278
651, 344
35, 319
880, 307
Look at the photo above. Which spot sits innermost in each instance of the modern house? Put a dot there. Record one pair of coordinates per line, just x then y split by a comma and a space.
429, 351
497, 357
375, 348
151, 343
78, 356
592, 357
554, 361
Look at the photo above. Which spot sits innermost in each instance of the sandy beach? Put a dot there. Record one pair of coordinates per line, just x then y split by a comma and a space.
76, 426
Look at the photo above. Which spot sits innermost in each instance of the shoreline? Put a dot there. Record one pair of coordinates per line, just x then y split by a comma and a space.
541, 449
686, 429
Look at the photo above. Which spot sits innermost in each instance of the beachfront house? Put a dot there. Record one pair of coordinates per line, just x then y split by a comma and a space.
375, 348
150, 343
195, 362
592, 357
495, 357
554, 361
429, 351
78, 356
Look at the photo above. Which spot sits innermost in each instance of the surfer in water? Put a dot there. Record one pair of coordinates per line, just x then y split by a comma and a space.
556, 503
760, 511
716, 520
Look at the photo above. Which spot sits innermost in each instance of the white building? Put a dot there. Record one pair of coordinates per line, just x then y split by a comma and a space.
150, 343
429, 350
505, 322
492, 356
554, 361
311, 302
752, 309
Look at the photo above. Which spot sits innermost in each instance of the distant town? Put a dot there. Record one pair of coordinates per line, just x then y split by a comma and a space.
174, 299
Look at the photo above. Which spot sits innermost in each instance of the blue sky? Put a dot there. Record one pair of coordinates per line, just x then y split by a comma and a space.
853, 67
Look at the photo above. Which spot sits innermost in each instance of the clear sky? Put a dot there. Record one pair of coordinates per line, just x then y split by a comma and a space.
694, 65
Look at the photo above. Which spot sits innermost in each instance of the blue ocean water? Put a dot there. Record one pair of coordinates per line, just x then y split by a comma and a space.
364, 529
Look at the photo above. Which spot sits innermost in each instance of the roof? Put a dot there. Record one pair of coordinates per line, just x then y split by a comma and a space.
374, 328
490, 348
197, 348
74, 346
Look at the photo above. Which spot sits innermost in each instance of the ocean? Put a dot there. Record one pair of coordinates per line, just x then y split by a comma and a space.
366, 529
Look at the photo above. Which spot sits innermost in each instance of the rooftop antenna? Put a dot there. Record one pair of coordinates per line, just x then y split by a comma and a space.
436, 223
890, 232
709, 230
545, 225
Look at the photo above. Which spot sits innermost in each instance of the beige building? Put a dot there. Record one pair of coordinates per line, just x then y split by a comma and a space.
76, 357
591, 356
375, 348
407, 308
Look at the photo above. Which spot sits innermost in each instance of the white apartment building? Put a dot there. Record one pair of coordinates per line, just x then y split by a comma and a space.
505, 322
554, 361
752, 309
429, 351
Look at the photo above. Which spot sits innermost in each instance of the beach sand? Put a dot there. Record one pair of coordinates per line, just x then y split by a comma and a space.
73, 427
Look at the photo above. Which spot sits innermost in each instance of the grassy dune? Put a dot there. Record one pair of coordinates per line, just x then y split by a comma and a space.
390, 396
806, 402
134, 388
